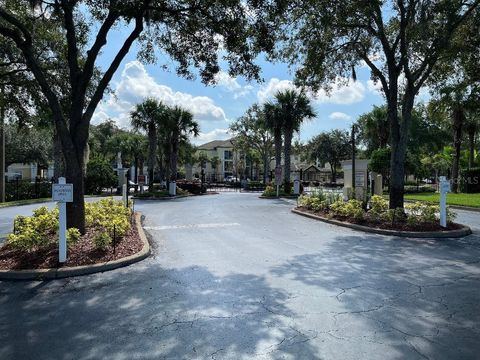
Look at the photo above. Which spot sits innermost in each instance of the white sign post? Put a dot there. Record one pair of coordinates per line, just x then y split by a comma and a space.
62, 193
278, 178
444, 188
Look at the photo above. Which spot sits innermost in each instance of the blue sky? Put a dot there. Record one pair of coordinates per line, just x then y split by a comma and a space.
216, 106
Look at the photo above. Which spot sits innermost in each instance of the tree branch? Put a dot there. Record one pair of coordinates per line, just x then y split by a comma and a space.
72, 49
97, 96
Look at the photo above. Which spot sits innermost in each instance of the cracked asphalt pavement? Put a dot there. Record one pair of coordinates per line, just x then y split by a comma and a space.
237, 277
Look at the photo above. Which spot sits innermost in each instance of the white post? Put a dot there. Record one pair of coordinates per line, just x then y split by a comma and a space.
172, 188
62, 207
124, 195
444, 188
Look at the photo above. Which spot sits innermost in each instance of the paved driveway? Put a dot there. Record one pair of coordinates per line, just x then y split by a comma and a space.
236, 277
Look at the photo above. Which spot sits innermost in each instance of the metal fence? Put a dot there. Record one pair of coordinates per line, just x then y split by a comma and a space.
17, 189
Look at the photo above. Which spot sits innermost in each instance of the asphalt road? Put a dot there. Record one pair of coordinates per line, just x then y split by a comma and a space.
237, 277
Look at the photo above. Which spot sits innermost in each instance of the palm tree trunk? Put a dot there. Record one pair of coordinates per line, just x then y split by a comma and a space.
278, 146
152, 152
174, 160
287, 151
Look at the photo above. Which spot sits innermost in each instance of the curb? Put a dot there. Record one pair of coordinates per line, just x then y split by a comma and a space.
47, 274
165, 198
462, 232
279, 197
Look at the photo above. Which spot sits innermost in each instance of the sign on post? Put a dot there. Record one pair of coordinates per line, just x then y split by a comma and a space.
278, 175
444, 188
62, 193
141, 179
278, 178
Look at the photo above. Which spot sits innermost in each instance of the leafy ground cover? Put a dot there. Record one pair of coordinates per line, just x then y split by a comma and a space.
461, 199
111, 234
417, 216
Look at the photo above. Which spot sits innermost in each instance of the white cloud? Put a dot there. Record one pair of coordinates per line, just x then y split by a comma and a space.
216, 134
136, 84
274, 85
231, 84
224, 79
342, 92
374, 87
339, 116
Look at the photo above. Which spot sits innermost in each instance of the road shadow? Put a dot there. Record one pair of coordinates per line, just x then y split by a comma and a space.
147, 312
419, 297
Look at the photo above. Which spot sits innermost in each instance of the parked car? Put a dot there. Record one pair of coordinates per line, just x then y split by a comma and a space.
231, 179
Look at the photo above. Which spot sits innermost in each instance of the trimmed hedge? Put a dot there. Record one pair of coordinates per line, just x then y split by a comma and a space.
470, 180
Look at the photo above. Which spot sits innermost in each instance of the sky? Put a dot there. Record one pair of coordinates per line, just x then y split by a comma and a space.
215, 107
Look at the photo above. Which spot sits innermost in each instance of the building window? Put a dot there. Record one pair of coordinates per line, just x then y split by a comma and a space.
228, 155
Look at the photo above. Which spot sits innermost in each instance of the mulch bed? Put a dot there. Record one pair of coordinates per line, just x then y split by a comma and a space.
83, 252
397, 226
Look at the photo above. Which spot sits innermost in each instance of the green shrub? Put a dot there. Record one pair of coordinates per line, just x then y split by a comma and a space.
99, 175
424, 213
73, 235
35, 231
102, 240
41, 229
351, 208
378, 205
26, 189
108, 214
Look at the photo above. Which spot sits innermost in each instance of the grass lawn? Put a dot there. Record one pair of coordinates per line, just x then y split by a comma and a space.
24, 202
472, 200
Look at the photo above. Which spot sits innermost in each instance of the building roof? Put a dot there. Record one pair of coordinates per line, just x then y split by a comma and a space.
216, 144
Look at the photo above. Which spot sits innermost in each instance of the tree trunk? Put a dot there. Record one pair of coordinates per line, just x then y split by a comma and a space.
398, 138
287, 151
58, 160
135, 180
173, 161
76, 209
266, 166
152, 153
471, 147
2, 148
278, 146
458, 117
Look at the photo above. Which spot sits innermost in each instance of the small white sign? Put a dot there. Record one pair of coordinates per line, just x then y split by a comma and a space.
359, 178
62, 192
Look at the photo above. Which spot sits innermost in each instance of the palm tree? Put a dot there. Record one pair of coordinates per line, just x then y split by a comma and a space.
274, 123
147, 116
180, 125
294, 108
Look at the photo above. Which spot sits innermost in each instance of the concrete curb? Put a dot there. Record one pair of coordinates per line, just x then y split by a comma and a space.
280, 197
46, 274
165, 198
464, 231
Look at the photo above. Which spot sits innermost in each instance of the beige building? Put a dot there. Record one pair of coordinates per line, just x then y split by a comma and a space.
223, 150
28, 171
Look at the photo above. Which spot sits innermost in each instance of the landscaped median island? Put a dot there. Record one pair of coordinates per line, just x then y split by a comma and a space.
112, 233
375, 216
270, 192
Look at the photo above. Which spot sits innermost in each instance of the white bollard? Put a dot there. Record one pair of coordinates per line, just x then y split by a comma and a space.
62, 231
172, 188
444, 188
